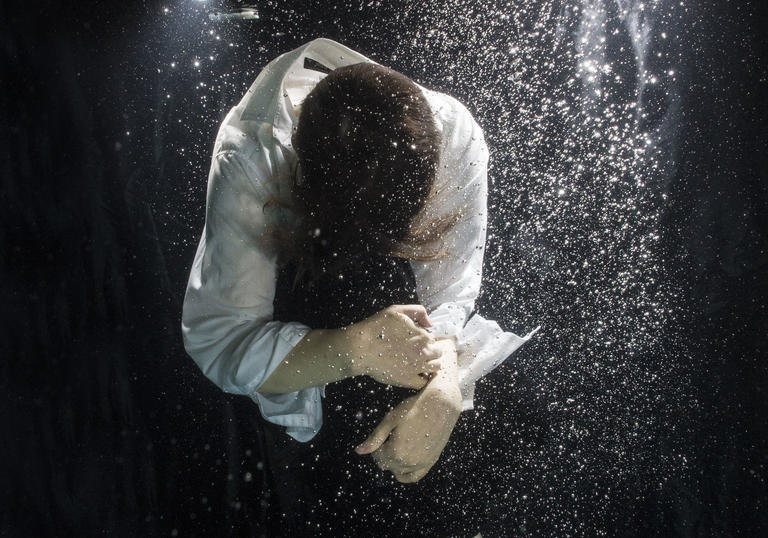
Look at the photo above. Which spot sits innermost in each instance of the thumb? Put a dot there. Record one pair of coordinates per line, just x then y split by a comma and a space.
417, 313
378, 435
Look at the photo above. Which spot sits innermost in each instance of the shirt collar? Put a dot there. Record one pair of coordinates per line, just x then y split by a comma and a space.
284, 84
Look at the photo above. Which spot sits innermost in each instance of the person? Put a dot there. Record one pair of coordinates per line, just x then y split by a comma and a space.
332, 165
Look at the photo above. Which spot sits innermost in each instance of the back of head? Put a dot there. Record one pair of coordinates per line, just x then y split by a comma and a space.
368, 152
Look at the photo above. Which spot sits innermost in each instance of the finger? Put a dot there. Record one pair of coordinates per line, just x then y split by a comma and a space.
388, 462
410, 477
430, 354
419, 382
378, 435
415, 312
398, 469
383, 459
433, 366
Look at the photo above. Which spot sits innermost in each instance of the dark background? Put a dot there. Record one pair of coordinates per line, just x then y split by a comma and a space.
638, 410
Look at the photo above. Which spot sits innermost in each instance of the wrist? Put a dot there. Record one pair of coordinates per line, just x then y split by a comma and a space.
449, 368
335, 348
445, 384
351, 349
446, 379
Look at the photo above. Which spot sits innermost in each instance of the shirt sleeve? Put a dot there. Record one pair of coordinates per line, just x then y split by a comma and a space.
449, 285
227, 322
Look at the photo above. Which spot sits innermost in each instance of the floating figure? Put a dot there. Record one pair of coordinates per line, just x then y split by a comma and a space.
346, 215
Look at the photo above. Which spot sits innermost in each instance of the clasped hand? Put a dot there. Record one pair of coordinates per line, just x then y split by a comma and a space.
411, 437
395, 347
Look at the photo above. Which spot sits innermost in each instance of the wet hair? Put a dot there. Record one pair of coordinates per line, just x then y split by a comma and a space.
368, 153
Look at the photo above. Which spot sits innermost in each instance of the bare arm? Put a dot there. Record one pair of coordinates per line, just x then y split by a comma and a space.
313, 362
391, 346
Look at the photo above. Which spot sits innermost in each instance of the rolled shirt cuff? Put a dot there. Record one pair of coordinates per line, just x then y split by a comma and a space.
483, 346
447, 321
300, 412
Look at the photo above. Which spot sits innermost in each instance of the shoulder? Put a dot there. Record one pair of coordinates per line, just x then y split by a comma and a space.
239, 152
453, 118
463, 141
463, 152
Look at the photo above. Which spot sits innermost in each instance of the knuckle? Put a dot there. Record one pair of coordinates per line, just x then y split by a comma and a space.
403, 458
411, 461
398, 454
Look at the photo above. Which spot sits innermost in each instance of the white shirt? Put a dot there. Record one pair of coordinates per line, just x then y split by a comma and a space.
227, 320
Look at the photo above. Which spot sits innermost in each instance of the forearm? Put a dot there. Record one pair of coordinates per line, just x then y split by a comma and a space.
411, 437
389, 346
321, 357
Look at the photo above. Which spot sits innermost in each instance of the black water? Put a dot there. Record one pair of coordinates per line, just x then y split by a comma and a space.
627, 217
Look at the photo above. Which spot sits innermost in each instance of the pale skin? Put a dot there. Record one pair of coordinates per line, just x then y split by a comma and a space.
410, 439
393, 347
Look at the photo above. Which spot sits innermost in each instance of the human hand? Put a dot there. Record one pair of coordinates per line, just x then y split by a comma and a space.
395, 349
410, 439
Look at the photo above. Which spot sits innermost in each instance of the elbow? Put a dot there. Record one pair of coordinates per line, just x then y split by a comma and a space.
198, 350
228, 352
207, 355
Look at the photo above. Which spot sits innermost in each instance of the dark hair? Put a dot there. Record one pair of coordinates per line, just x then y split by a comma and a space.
368, 153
